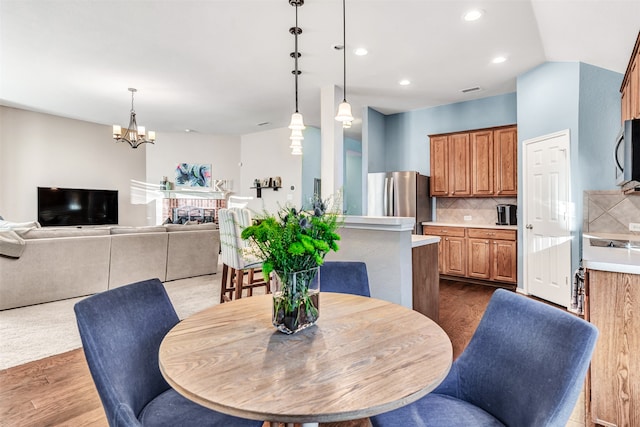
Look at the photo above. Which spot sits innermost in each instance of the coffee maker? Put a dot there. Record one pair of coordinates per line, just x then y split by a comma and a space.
507, 215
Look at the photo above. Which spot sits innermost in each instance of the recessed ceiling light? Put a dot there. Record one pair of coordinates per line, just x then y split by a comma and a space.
404, 82
473, 15
188, 130
499, 59
361, 51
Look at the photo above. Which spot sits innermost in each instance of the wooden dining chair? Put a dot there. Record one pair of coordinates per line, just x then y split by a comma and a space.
121, 331
524, 366
241, 271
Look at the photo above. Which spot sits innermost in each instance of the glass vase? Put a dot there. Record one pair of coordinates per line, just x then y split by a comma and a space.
296, 299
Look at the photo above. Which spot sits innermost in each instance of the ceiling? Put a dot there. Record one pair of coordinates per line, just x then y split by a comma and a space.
223, 66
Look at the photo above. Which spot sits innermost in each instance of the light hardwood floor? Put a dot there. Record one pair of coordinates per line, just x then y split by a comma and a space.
59, 391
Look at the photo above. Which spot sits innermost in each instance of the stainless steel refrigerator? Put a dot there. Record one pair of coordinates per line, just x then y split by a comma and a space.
400, 194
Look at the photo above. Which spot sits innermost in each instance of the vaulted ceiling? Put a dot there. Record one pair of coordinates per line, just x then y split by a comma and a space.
224, 66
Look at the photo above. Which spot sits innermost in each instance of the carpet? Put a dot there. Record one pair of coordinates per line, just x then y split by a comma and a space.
42, 330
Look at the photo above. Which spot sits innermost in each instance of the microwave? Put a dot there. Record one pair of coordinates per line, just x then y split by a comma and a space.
627, 152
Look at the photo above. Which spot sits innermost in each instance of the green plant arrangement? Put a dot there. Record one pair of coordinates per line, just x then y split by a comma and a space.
292, 245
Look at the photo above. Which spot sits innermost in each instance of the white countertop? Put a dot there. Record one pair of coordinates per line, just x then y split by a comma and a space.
470, 225
617, 260
386, 223
418, 240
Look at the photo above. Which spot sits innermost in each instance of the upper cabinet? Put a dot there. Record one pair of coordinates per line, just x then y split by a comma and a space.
450, 166
505, 149
630, 101
478, 163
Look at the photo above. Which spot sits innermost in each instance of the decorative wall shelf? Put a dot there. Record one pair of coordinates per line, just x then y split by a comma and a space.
259, 190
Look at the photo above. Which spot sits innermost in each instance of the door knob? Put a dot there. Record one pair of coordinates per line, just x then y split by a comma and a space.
529, 227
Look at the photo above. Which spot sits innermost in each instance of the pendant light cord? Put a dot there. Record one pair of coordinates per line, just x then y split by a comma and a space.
295, 33
344, 50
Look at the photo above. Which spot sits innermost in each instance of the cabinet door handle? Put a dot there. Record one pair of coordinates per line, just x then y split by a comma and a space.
529, 227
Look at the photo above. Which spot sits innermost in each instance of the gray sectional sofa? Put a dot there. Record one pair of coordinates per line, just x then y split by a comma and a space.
61, 263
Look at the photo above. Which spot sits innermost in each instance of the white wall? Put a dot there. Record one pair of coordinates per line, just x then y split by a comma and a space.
38, 149
267, 154
221, 152
41, 150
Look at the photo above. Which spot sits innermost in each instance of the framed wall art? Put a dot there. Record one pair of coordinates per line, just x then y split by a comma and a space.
193, 175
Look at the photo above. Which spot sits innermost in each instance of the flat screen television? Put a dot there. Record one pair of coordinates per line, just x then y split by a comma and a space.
75, 206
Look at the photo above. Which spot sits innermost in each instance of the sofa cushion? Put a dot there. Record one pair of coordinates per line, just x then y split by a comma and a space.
133, 230
11, 244
137, 256
18, 226
192, 227
47, 233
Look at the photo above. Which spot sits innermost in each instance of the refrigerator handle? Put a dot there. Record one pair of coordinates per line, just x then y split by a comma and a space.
388, 196
385, 202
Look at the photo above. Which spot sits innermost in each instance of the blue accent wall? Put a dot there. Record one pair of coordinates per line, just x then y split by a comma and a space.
311, 146
406, 140
374, 133
599, 125
352, 177
584, 99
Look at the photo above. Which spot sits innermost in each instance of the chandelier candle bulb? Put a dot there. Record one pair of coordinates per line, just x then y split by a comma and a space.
117, 131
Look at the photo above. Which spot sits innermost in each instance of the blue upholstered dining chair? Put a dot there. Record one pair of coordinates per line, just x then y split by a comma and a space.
524, 367
121, 330
347, 277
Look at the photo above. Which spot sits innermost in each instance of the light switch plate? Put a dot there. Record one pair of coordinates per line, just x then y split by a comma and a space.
634, 226
467, 217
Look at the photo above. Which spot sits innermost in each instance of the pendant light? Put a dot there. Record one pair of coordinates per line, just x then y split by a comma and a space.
297, 123
135, 135
344, 109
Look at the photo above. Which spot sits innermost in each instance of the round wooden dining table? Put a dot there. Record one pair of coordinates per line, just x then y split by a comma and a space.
363, 357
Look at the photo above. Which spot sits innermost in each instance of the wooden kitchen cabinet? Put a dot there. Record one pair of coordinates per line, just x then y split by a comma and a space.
478, 253
439, 182
630, 89
455, 256
459, 165
451, 249
505, 150
492, 254
479, 163
612, 302
482, 160
450, 167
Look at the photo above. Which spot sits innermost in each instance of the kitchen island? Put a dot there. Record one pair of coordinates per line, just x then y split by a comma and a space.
387, 246
612, 298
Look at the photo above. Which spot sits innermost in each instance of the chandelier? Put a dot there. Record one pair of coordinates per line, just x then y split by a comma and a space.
344, 109
297, 124
135, 135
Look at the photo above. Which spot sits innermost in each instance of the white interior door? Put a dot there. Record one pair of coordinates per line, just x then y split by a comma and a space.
547, 209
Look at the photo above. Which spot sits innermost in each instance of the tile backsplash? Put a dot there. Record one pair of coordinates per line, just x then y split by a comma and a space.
481, 210
610, 212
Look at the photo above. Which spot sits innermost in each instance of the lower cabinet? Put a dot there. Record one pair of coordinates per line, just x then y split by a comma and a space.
477, 253
493, 254
454, 251
613, 392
